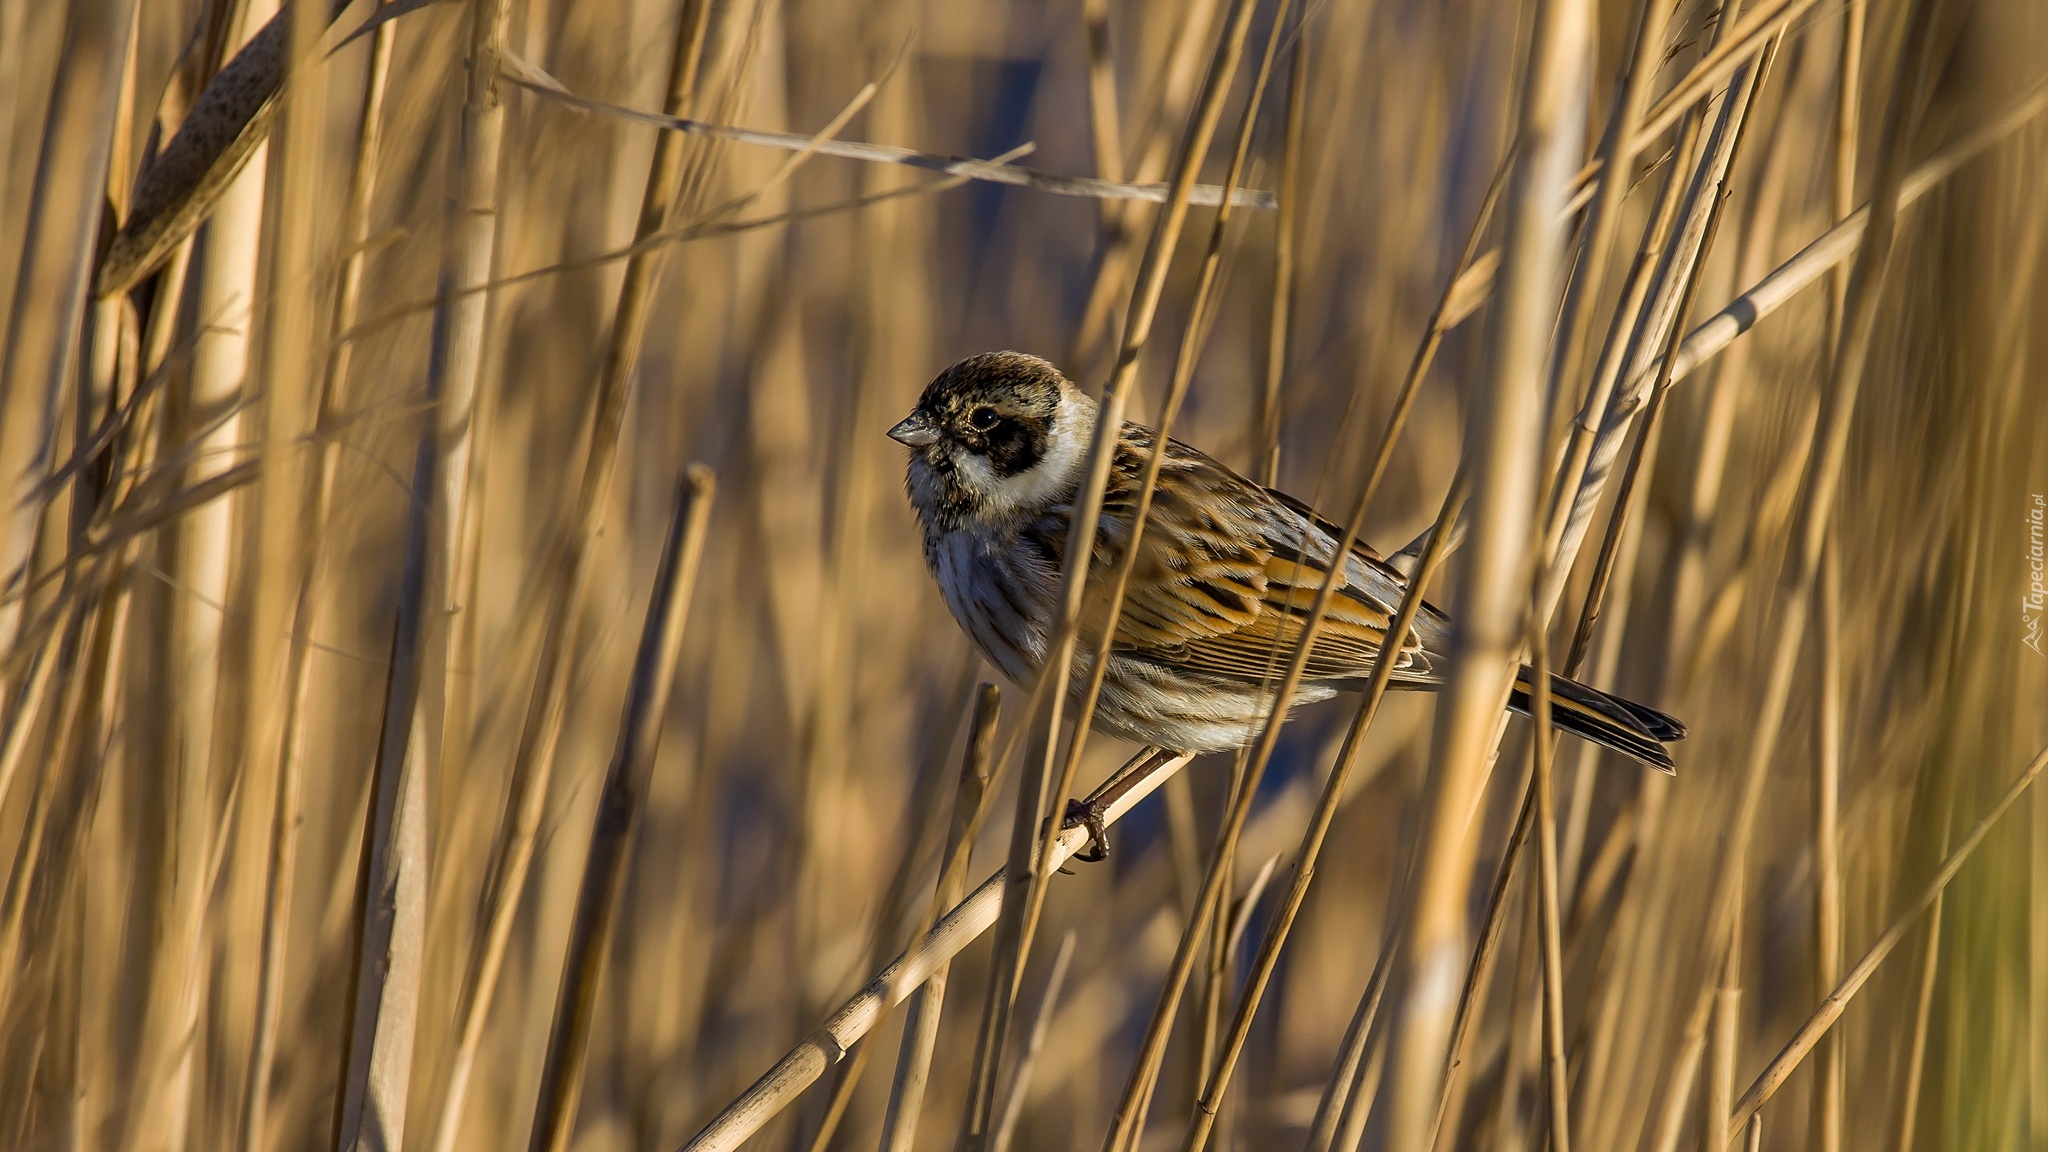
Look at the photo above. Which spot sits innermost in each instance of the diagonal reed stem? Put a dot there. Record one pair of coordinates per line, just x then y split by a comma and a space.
618, 813
959, 927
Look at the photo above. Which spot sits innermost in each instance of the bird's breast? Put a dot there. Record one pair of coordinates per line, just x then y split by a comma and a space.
998, 597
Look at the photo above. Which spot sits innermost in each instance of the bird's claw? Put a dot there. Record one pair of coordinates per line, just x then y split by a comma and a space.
1084, 815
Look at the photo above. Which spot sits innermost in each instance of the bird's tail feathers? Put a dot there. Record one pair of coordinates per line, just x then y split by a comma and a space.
1637, 731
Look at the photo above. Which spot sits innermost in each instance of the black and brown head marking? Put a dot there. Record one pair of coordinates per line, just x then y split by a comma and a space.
999, 405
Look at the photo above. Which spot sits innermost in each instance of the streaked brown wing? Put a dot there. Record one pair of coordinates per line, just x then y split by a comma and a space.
1346, 645
1201, 568
1223, 585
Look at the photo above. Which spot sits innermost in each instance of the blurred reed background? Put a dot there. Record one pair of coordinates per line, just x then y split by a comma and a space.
344, 440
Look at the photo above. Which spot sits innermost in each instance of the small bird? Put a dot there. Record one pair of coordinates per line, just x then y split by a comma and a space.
1226, 572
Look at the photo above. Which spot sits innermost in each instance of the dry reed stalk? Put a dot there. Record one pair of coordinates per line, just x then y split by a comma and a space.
921, 1019
1338, 1097
283, 552
1342, 1087
1208, 288
383, 1013
1602, 224
1020, 1079
41, 893
1840, 242
618, 813
1816, 498
1726, 390
1829, 1068
315, 504
29, 847
1542, 751
2037, 1003
1687, 296
1607, 366
1120, 229
533, 759
1605, 419
1041, 793
1105, 134
965, 921
53, 272
196, 553
1473, 994
1817, 1025
1733, 44
224, 127
1923, 1011
1502, 445
382, 1001
1317, 832
1280, 322
991, 171
1724, 1047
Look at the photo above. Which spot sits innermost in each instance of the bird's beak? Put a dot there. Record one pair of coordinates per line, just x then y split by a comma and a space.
915, 430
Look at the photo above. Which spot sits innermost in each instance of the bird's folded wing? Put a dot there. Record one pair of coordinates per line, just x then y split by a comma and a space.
1227, 574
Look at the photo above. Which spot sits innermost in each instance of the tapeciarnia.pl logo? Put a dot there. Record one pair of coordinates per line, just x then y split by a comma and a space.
2036, 599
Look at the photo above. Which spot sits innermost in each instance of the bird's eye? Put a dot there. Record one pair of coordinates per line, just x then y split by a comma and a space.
983, 418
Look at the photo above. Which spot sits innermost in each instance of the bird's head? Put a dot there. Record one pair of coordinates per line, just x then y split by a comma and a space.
993, 436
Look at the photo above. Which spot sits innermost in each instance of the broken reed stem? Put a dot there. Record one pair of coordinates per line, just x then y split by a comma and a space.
383, 859
1503, 440
1041, 1023
1043, 723
965, 921
1802, 1042
921, 1019
1317, 832
619, 803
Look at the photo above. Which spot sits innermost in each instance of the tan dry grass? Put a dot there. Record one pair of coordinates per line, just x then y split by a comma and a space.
212, 477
